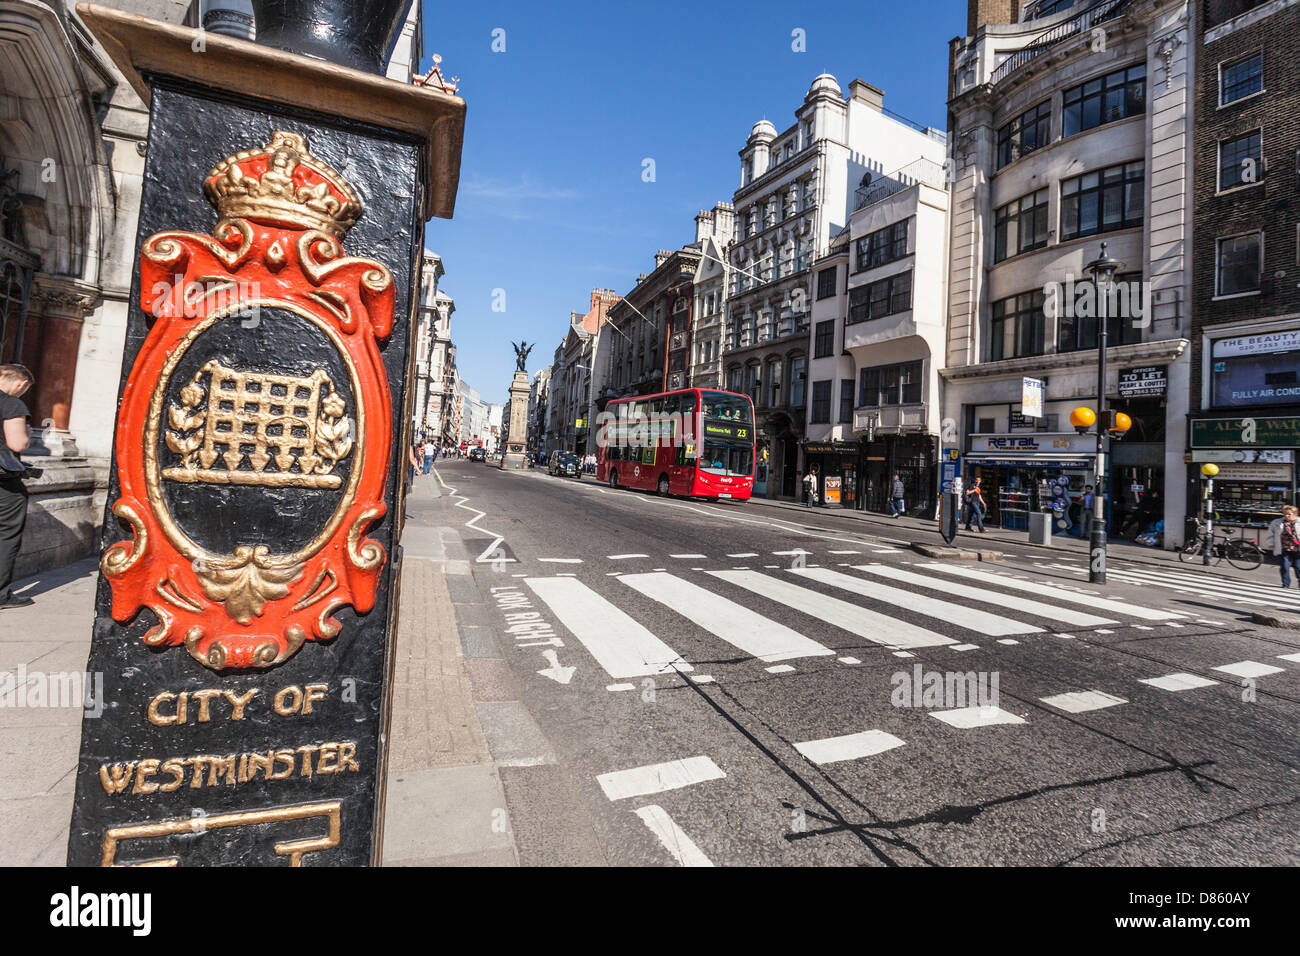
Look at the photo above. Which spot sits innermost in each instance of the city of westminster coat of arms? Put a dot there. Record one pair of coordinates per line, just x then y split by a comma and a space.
255, 428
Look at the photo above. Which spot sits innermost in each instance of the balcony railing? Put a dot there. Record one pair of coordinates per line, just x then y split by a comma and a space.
891, 419
917, 171
1085, 21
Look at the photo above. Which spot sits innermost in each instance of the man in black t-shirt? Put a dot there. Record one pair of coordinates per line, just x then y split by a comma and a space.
14, 438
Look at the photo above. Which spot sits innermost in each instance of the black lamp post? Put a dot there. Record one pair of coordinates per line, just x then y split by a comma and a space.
1102, 269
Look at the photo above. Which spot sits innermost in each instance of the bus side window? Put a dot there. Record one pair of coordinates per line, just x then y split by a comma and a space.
688, 404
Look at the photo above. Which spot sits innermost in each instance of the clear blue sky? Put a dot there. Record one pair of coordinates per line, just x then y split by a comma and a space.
551, 199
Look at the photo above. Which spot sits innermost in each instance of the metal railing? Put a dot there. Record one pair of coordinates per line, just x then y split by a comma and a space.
917, 171
1085, 21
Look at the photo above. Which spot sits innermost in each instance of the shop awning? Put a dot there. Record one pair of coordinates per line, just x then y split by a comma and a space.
1059, 461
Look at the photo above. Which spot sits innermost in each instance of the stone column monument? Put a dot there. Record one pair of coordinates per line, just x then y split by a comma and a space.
245, 613
517, 415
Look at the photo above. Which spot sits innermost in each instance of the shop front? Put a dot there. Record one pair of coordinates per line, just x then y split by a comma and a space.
912, 459
1256, 460
1020, 474
834, 464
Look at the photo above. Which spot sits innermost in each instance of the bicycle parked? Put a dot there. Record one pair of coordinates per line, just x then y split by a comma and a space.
1240, 552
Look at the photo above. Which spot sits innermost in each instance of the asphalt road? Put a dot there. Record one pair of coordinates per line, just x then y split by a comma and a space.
747, 722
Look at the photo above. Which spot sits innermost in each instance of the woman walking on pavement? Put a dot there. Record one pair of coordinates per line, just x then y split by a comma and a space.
975, 502
1285, 533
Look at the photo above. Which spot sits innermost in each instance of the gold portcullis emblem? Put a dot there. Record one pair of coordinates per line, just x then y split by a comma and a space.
262, 429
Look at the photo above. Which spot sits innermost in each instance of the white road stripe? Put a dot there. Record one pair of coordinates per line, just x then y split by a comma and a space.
1247, 592
844, 552
1249, 669
873, 626
740, 627
658, 777
1082, 701
560, 560
850, 747
967, 717
696, 556
981, 621
625, 557
1036, 608
1209, 587
1177, 682
673, 837
619, 644
1057, 594
745, 554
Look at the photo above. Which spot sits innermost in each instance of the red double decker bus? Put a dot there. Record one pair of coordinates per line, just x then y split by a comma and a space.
696, 442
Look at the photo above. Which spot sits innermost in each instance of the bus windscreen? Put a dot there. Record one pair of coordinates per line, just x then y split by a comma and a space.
719, 406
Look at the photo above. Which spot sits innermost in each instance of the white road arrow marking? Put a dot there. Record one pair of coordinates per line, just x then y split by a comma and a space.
555, 672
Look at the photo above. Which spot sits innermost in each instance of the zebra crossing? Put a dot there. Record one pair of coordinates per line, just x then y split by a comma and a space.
823, 612
1248, 593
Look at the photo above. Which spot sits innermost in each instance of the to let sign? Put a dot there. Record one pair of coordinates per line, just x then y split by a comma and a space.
1150, 381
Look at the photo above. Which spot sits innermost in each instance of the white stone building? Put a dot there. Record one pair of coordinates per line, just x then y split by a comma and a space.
432, 344
714, 230
878, 337
1070, 128
796, 191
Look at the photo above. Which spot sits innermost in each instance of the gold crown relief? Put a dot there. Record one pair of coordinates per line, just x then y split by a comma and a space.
260, 184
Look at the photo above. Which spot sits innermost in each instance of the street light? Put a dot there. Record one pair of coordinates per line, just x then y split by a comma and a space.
1103, 270
1209, 470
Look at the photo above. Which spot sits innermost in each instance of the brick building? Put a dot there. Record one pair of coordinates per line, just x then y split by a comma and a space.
1245, 381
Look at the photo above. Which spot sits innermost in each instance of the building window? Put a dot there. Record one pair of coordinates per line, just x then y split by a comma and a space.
733, 379
1241, 79
1077, 324
752, 383
798, 376
846, 401
826, 282
1016, 326
824, 339
880, 298
1102, 201
1241, 160
774, 383
1024, 134
1020, 225
1106, 99
882, 246
890, 385
821, 403
1238, 264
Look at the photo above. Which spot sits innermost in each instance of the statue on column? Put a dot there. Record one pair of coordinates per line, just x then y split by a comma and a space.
521, 354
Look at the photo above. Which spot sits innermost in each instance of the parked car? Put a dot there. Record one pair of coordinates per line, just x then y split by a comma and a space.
565, 464
477, 454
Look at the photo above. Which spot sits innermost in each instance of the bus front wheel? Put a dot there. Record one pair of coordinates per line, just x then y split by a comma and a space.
663, 486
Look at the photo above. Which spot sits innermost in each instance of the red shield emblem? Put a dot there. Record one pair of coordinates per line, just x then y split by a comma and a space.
255, 427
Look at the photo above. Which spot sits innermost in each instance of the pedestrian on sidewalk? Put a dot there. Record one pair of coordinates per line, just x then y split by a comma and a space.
1285, 535
896, 497
1086, 502
15, 436
430, 452
809, 489
975, 505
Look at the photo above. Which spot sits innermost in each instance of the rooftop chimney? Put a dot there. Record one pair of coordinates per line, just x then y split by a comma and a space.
981, 13
868, 95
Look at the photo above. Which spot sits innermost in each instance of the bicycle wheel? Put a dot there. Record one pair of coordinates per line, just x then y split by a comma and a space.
1244, 554
1192, 549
